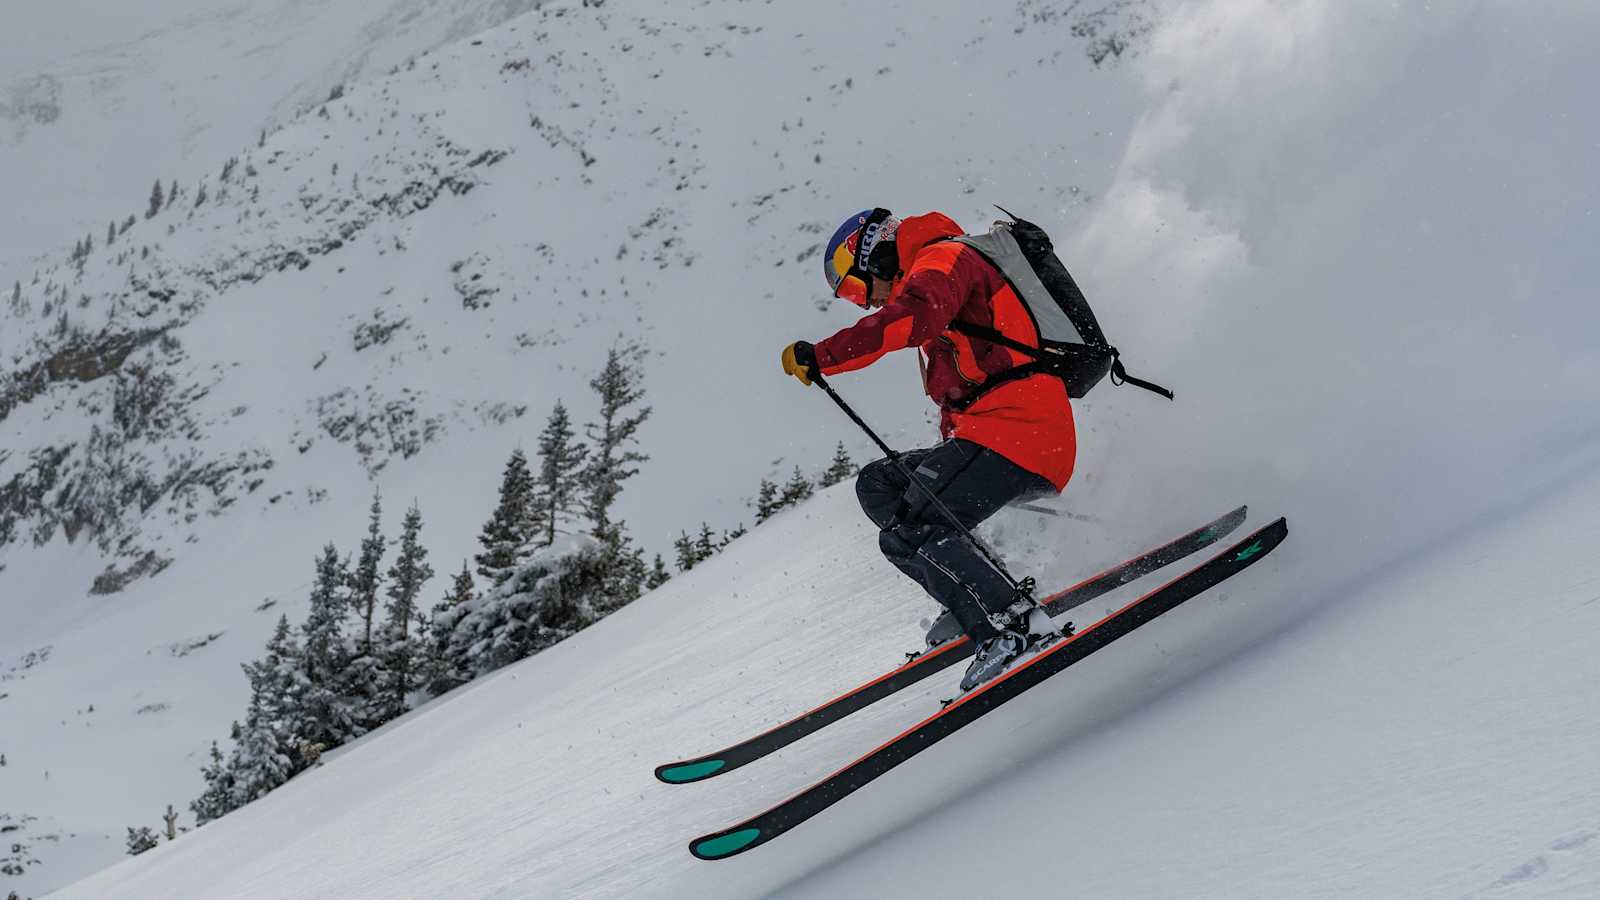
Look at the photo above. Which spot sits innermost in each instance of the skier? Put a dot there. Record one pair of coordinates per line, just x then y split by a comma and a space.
1007, 432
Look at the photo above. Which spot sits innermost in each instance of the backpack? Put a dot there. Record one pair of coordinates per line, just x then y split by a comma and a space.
1071, 345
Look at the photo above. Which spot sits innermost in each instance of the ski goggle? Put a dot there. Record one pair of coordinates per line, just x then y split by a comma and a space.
853, 286
855, 282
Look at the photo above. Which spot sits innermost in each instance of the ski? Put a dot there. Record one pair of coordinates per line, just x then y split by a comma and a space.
765, 826
929, 662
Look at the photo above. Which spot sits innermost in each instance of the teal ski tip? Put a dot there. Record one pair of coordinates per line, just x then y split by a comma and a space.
724, 845
687, 772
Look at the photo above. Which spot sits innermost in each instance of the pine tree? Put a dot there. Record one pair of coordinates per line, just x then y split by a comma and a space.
461, 588
141, 839
274, 679
558, 489
263, 757
507, 535
111, 232
200, 196
620, 386
446, 666
840, 469
156, 201
172, 194
128, 223
729, 537
624, 567
364, 676
705, 545
399, 649
612, 462
796, 489
684, 547
364, 584
327, 713
260, 762
217, 800
767, 500
658, 575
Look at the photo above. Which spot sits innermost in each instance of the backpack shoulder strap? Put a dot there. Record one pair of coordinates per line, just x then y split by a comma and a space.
1001, 249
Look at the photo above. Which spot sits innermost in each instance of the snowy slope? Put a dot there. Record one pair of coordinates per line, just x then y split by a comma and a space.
97, 101
1356, 238
1431, 734
391, 292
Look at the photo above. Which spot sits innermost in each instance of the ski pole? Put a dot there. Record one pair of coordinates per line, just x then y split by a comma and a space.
1020, 587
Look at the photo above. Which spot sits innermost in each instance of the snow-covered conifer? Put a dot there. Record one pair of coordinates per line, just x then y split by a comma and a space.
261, 759
558, 491
705, 544
840, 469
505, 537
684, 548
157, 201
796, 489
658, 575
449, 653
767, 500
398, 648
364, 583
625, 569
461, 588
620, 386
217, 800
329, 715
141, 839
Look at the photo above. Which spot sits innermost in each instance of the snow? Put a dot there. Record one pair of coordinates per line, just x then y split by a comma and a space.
1430, 734
1356, 239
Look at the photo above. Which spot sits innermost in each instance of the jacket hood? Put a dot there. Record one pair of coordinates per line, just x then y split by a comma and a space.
916, 232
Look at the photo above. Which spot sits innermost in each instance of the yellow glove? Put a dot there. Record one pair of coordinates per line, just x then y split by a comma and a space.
800, 360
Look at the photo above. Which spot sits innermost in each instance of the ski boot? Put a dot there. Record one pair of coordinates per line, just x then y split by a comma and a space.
992, 658
1024, 626
1028, 618
943, 630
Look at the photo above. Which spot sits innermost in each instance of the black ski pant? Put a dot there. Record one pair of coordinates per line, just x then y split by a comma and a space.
973, 482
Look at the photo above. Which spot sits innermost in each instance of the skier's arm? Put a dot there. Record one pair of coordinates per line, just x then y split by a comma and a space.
924, 306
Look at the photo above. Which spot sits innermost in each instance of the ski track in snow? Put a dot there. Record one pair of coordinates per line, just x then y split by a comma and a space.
1569, 867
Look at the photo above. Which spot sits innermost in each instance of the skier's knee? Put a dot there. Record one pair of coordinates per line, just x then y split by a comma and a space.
878, 495
901, 543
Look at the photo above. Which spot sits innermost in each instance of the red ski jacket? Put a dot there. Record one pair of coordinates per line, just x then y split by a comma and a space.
1028, 421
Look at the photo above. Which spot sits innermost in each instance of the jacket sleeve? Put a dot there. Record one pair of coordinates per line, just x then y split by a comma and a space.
931, 295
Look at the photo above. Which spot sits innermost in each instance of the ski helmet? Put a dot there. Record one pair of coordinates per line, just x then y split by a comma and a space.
860, 250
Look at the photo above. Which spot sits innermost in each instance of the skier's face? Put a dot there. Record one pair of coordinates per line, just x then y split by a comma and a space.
879, 294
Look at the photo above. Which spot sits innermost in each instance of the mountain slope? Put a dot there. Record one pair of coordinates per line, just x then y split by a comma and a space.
1427, 734
96, 103
388, 293
1357, 241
